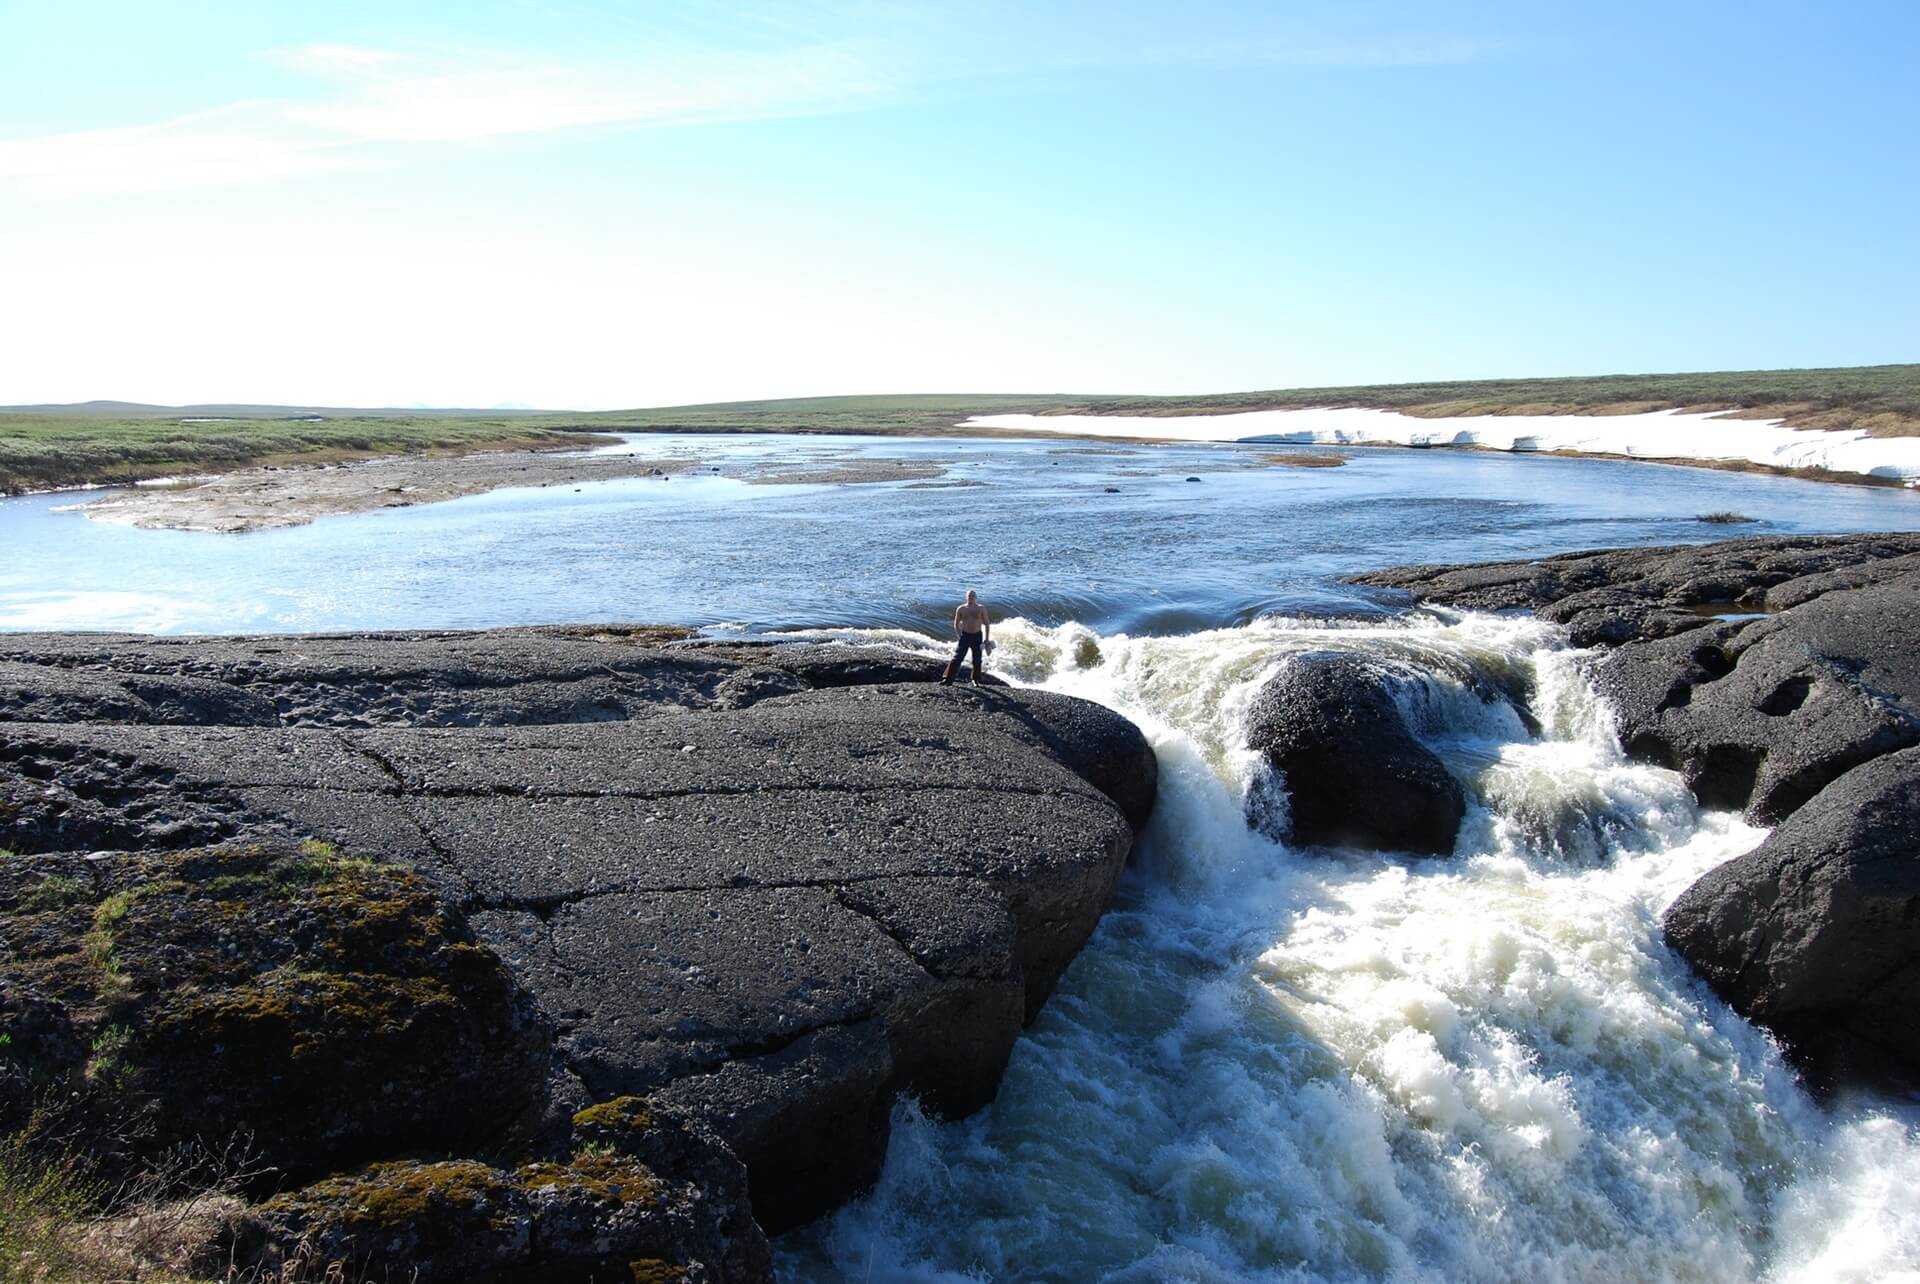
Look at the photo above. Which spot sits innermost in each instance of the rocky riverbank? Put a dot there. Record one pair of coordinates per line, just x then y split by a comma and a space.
421, 913
1780, 677
257, 499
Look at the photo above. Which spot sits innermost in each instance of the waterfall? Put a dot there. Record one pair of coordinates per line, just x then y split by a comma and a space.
1279, 1064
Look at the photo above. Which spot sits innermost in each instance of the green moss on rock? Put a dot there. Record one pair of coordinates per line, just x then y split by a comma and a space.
466, 1221
56, 892
335, 1008
620, 1118
595, 1175
399, 1196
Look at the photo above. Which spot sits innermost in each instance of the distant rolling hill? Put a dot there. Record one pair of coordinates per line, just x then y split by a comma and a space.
142, 410
117, 441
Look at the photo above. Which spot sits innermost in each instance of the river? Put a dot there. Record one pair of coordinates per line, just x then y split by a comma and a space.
1041, 536
1268, 1063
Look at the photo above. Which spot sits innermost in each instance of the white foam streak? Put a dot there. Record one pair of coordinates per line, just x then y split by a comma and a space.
1307, 1065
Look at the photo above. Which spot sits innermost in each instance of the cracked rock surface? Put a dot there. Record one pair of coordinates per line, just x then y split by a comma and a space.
768, 888
1780, 676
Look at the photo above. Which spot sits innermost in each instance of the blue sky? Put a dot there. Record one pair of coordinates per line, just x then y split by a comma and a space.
600, 205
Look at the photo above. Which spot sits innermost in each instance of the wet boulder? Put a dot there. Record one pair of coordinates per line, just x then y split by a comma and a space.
1812, 932
1354, 773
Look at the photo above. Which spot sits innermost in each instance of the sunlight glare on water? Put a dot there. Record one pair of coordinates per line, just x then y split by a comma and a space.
1272, 1064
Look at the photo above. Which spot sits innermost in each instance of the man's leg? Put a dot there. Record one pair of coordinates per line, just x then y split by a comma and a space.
953, 665
978, 661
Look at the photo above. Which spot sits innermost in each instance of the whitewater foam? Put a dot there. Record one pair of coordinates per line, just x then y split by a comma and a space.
1271, 1064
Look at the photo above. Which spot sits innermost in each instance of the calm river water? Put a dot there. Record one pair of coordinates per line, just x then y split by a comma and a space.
1041, 539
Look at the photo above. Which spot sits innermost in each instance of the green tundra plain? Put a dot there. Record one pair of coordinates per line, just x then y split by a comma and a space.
103, 443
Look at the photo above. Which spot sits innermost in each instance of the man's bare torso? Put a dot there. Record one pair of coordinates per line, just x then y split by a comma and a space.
971, 618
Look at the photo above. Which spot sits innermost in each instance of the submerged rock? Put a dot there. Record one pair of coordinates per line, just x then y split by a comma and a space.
1812, 932
1354, 773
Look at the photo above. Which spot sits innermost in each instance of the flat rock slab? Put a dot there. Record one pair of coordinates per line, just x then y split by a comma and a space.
728, 878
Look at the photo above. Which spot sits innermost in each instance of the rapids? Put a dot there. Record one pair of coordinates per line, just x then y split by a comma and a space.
1271, 1064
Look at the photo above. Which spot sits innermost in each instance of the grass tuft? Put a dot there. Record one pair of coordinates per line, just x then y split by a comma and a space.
56, 892
42, 1205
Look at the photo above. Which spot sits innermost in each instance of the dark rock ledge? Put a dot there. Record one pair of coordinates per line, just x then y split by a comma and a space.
409, 908
1782, 677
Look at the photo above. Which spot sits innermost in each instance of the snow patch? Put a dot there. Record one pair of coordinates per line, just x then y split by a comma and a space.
1667, 434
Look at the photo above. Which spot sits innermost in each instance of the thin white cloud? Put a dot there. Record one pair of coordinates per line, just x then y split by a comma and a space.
378, 97
335, 60
357, 104
246, 142
483, 99
1379, 51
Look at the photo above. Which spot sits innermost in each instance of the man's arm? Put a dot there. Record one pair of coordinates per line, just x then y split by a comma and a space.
986, 624
956, 620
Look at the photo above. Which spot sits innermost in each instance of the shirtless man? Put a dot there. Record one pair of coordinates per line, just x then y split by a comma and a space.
975, 630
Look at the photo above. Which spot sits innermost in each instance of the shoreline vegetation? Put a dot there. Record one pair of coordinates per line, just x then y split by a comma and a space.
120, 443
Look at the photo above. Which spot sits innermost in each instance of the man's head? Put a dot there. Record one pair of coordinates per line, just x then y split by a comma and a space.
971, 599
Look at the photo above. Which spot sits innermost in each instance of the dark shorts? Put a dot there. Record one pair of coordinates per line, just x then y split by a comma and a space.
969, 642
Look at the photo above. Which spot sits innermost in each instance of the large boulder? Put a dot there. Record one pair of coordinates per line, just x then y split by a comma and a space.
1354, 773
1813, 932
536, 676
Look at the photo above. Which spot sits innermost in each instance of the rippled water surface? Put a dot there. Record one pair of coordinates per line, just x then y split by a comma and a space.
1042, 538
1268, 1064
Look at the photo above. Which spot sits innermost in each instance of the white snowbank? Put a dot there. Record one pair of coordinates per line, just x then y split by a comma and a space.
1661, 435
